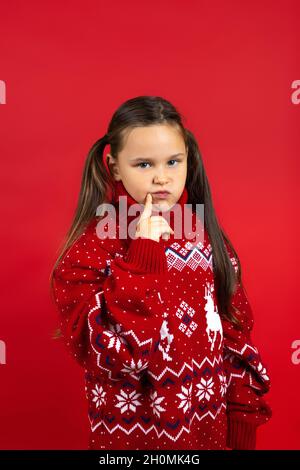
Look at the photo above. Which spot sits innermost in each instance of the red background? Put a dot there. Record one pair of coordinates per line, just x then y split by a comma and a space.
228, 66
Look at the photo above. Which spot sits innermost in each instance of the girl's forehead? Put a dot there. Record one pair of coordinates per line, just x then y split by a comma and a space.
153, 147
152, 136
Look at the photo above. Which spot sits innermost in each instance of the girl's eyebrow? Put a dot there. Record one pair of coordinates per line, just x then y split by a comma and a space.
138, 159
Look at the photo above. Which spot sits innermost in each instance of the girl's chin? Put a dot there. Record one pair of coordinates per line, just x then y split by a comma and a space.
161, 205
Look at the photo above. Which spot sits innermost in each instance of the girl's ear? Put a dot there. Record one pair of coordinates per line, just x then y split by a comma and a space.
113, 166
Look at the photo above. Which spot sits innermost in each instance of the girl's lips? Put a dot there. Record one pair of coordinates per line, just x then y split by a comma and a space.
160, 195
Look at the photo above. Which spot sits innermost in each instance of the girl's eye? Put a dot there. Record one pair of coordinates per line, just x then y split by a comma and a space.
142, 163
146, 163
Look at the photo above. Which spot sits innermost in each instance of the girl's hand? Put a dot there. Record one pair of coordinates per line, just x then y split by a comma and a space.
152, 226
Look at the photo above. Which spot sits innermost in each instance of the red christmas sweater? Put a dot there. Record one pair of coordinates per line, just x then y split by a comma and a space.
162, 369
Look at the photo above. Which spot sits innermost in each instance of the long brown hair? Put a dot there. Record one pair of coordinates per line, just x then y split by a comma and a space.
97, 182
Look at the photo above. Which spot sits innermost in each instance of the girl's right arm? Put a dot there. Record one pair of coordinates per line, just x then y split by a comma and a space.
111, 323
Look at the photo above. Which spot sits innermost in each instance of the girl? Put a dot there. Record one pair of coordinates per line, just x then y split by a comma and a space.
160, 323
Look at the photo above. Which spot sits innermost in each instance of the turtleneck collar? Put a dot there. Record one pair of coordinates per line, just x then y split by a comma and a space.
120, 190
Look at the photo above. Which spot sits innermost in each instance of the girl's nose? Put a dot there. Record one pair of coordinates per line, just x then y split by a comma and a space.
161, 179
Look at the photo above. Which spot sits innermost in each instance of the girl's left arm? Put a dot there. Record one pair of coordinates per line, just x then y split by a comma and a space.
247, 378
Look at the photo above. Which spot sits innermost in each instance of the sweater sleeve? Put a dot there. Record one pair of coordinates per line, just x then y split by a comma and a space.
109, 310
247, 377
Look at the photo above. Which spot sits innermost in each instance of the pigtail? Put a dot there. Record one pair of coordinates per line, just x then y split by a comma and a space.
226, 278
95, 184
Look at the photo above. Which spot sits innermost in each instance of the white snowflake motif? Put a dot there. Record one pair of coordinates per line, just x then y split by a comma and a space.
134, 367
262, 371
128, 401
99, 397
115, 336
223, 384
156, 403
186, 397
205, 389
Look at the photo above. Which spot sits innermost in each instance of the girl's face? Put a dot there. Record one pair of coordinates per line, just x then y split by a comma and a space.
154, 158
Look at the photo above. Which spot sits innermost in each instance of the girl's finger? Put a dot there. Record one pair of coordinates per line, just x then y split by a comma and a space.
148, 207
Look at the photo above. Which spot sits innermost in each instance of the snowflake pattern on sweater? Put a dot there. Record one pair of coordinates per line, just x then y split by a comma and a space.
162, 369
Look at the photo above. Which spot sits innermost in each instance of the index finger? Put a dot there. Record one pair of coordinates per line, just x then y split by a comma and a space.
148, 207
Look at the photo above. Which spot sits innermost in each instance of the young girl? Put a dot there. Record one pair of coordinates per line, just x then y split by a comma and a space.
160, 322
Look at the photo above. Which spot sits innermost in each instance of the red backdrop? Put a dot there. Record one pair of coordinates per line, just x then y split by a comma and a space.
230, 68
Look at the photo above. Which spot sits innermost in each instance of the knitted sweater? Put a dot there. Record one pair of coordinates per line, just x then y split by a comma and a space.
163, 370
